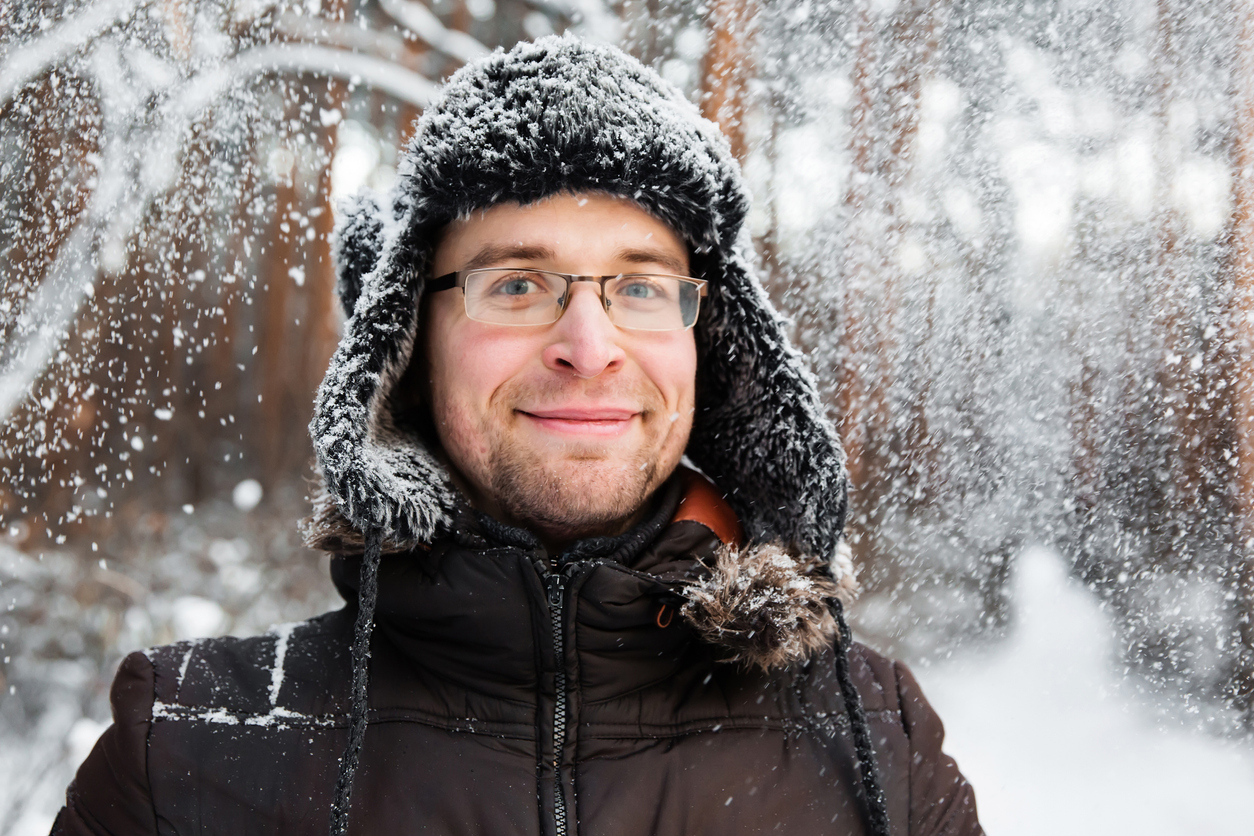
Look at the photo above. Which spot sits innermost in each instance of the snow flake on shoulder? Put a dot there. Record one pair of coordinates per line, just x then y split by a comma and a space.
229, 681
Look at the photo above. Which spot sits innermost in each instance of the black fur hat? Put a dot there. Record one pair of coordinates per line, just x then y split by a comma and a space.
563, 115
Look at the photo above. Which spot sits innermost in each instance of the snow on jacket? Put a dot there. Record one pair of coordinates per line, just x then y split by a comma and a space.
474, 641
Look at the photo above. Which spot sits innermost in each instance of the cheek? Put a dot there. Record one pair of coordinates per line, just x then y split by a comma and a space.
671, 369
672, 366
466, 369
468, 366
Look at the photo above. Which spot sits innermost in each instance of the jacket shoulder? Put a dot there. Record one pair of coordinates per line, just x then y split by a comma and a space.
875, 677
940, 800
111, 792
292, 671
293, 675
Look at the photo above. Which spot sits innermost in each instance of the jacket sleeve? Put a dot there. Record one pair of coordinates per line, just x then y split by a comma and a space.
110, 794
942, 803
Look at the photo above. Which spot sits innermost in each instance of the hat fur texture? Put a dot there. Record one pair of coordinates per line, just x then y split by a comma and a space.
556, 116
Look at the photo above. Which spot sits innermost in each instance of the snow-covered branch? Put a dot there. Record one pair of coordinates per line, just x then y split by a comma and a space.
48, 315
420, 20
305, 59
314, 30
24, 63
141, 165
187, 103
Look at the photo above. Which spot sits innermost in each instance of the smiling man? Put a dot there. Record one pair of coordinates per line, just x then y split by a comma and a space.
553, 625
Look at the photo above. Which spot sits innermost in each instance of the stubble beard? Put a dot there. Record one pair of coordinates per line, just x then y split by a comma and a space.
585, 488
572, 497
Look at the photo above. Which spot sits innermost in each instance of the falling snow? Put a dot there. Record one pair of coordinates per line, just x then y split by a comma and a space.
1013, 239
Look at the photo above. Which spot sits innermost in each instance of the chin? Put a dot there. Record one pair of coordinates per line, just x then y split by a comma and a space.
578, 493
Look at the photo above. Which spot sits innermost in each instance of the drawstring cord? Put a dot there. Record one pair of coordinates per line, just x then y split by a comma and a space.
877, 807
367, 594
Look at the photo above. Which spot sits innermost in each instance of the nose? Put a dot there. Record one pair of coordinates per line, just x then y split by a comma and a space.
584, 340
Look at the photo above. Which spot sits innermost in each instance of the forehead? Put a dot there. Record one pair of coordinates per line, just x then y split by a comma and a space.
561, 232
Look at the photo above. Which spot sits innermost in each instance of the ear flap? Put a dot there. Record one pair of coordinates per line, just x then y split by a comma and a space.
760, 433
356, 244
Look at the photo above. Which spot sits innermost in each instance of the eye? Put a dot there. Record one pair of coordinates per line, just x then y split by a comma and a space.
518, 284
639, 289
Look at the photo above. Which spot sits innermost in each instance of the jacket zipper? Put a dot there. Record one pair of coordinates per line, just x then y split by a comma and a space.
557, 606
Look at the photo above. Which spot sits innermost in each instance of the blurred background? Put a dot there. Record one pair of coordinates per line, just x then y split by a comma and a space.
1015, 239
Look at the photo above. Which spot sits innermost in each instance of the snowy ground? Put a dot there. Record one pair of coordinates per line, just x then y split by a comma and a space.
1055, 742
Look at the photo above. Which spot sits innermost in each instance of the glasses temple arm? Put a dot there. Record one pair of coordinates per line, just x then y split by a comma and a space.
446, 282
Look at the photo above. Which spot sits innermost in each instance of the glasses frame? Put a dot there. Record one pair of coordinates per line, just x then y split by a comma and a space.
457, 279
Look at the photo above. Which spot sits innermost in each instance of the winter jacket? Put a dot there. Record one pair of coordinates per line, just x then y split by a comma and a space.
512, 693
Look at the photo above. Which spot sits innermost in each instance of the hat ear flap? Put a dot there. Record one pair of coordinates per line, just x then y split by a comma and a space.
761, 432
356, 244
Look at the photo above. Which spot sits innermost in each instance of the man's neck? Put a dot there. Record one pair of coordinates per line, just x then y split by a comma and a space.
556, 538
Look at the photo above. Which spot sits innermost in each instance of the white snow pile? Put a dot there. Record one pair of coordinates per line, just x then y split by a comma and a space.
1055, 741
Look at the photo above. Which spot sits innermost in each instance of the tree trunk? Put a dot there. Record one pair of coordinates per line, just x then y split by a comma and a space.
1241, 338
728, 65
889, 67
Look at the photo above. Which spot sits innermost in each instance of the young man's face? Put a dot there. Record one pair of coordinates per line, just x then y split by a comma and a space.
564, 428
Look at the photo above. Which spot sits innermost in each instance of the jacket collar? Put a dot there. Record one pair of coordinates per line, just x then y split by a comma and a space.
465, 611
702, 503
471, 599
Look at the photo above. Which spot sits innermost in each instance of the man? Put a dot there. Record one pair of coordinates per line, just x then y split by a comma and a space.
555, 627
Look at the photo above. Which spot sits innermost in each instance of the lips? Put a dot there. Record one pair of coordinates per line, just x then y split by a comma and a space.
605, 421
584, 413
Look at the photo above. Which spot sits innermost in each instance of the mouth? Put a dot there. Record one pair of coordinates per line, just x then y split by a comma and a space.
601, 422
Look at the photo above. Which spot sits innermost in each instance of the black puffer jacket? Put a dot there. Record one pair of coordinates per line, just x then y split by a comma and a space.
511, 694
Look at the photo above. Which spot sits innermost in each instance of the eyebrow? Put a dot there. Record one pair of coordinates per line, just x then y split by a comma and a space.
637, 256
494, 254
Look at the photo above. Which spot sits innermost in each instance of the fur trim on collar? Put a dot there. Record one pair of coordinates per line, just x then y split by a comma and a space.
767, 608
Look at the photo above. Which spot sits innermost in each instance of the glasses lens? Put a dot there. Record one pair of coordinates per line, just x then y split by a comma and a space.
653, 303
510, 296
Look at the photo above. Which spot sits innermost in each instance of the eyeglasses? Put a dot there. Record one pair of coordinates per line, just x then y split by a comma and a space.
522, 296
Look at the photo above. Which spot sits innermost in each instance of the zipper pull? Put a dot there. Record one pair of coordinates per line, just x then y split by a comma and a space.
555, 586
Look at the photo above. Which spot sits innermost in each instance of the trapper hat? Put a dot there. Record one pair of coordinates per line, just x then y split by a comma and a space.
555, 116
